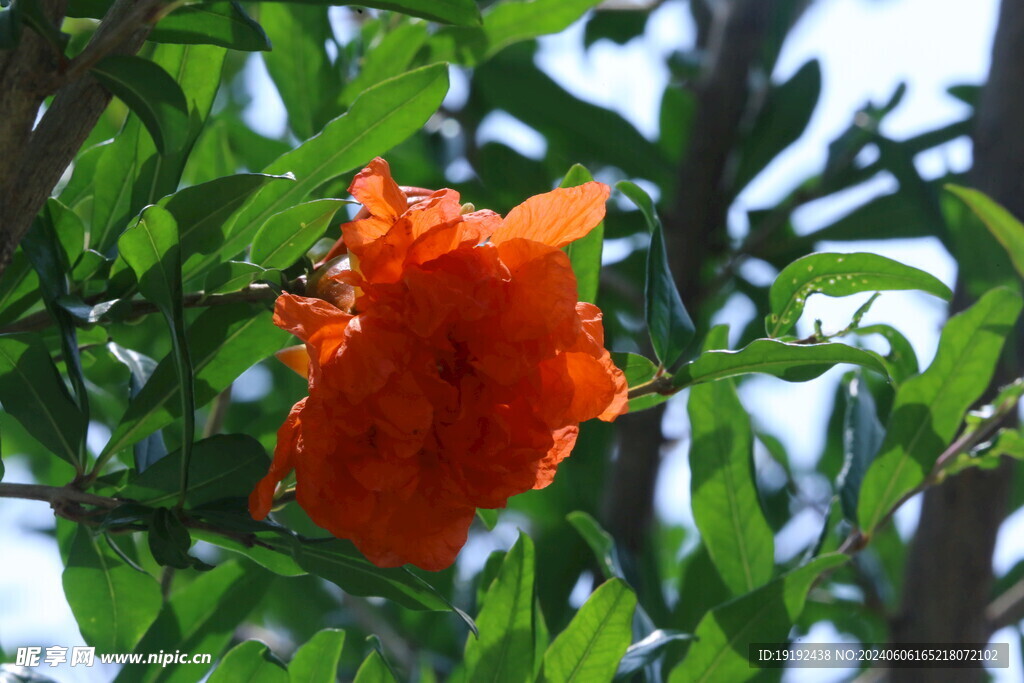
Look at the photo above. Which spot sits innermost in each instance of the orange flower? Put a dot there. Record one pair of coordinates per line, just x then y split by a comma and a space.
460, 382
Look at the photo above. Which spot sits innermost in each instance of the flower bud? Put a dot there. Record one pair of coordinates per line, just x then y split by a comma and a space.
322, 285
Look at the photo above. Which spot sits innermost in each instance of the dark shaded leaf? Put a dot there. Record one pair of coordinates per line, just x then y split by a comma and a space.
862, 437
151, 94
215, 23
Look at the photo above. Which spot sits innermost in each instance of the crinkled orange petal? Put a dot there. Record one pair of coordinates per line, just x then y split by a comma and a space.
374, 188
541, 293
565, 439
262, 497
305, 316
296, 358
558, 217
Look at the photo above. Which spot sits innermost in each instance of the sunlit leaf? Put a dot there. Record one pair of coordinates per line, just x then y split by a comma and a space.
1000, 222
591, 646
286, 236
250, 661
585, 253
316, 661
719, 649
840, 275
928, 408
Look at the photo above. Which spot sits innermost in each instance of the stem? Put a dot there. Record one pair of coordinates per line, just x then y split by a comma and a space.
252, 293
55, 495
218, 412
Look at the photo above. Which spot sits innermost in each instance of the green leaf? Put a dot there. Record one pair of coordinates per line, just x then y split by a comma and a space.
340, 563
113, 603
505, 23
317, 660
140, 369
1000, 222
379, 119
277, 557
600, 542
33, 393
374, 670
791, 362
591, 646
250, 661
151, 93
299, 65
286, 236
391, 56
1008, 442
928, 409
781, 121
840, 275
505, 649
726, 507
231, 277
203, 212
19, 288
152, 250
169, 541
901, 359
215, 23
647, 651
197, 69
223, 466
862, 437
225, 342
719, 649
668, 322
488, 517
585, 253
201, 617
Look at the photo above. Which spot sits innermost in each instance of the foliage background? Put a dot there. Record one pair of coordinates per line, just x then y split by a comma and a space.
496, 163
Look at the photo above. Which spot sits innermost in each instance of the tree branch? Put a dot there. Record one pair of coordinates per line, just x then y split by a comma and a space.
253, 293
34, 160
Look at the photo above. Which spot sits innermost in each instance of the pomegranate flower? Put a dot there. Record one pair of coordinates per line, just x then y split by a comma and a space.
458, 379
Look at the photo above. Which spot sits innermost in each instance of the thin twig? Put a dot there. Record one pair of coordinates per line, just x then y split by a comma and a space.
253, 293
55, 495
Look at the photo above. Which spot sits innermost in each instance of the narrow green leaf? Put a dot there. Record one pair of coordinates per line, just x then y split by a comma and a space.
201, 617
585, 253
840, 275
391, 56
781, 121
862, 437
277, 558
286, 236
225, 341
600, 542
726, 507
791, 362
928, 409
250, 661
215, 23
379, 119
668, 322
140, 369
231, 277
488, 517
901, 359
639, 371
1007, 442
113, 603
1000, 222
719, 649
317, 660
591, 646
33, 393
50, 259
19, 288
460, 12
223, 466
151, 93
647, 651
152, 249
340, 563
374, 670
203, 214
504, 651
299, 64
505, 23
